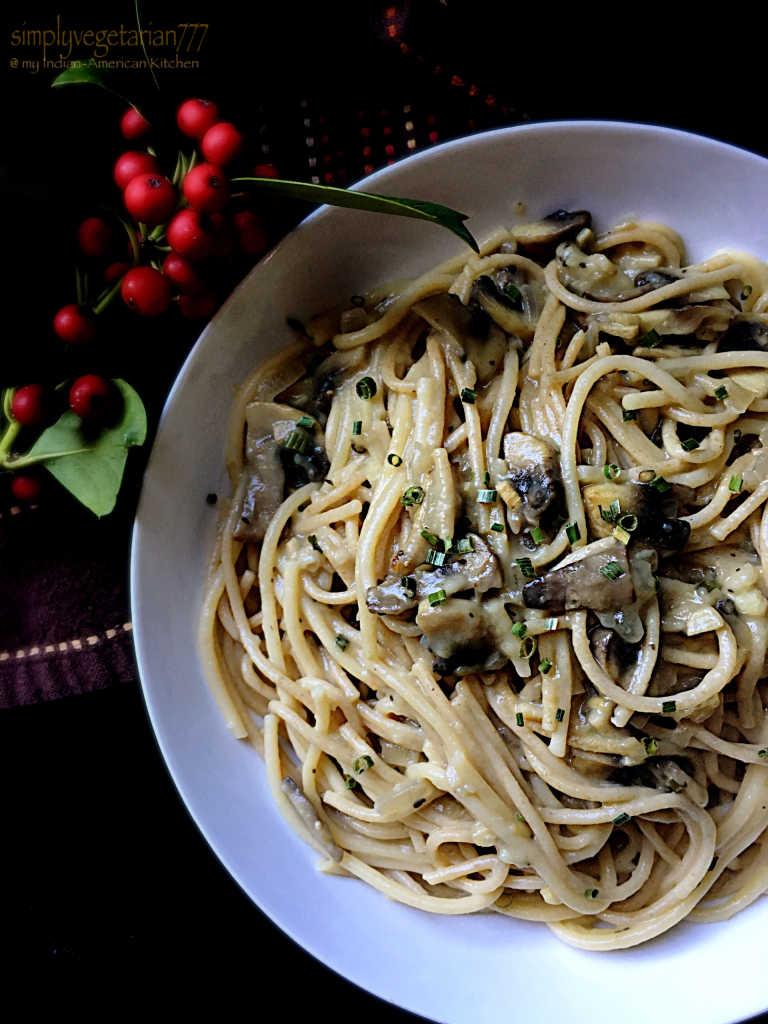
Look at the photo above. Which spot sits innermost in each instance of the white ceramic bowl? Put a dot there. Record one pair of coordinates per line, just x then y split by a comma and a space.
461, 970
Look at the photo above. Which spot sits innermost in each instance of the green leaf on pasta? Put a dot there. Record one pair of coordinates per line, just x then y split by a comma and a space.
419, 209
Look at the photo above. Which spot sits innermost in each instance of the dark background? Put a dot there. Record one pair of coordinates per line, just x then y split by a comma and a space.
107, 886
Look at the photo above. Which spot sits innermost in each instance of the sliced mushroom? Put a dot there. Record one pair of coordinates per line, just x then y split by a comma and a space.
461, 636
515, 315
582, 585
317, 828
706, 322
535, 475
478, 569
472, 329
657, 525
657, 278
267, 425
747, 333
541, 236
609, 650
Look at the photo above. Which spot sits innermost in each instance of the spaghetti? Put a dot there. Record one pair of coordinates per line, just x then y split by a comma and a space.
490, 595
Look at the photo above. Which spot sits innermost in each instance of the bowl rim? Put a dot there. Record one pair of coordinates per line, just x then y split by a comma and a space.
367, 183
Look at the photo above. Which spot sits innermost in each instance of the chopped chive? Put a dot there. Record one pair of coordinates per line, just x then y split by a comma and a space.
430, 537
721, 392
497, 527
651, 745
357, 428
526, 568
313, 541
746, 291
611, 471
350, 782
342, 642
591, 894
628, 522
486, 497
519, 718
512, 291
628, 414
537, 535
650, 339
621, 535
705, 588
413, 496
735, 484
211, 499
358, 300
437, 597
675, 786
616, 509
668, 707
763, 753
660, 484
545, 665
713, 865
486, 479
558, 521
528, 647
468, 396
518, 815
573, 531
612, 570
448, 543
560, 713
394, 460
435, 557
306, 422
465, 545
408, 584
362, 764
622, 819
297, 441
520, 629
605, 514
690, 443
366, 388
551, 624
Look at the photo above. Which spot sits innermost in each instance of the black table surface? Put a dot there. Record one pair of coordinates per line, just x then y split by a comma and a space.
111, 898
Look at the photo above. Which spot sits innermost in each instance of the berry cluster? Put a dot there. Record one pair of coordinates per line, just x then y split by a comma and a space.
175, 227
176, 224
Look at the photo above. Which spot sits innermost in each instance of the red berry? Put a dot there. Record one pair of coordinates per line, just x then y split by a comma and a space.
190, 234
131, 164
133, 125
224, 237
222, 143
29, 406
115, 271
265, 171
96, 238
182, 274
146, 291
89, 396
26, 486
206, 189
198, 307
74, 325
251, 232
195, 117
150, 198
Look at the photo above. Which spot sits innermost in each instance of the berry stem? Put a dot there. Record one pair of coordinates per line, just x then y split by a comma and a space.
179, 169
13, 428
113, 291
133, 238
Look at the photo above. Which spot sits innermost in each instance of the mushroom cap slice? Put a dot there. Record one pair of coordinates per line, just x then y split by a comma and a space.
581, 584
535, 475
552, 229
657, 525
747, 333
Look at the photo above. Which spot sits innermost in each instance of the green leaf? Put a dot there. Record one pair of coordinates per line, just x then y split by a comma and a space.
144, 45
91, 467
89, 74
417, 208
